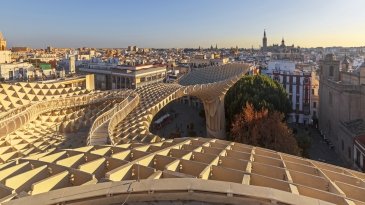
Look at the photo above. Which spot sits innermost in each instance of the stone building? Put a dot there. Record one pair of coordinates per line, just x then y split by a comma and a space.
2, 42
5, 55
342, 102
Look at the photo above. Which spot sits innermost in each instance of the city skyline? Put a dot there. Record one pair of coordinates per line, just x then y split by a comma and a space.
167, 24
107, 102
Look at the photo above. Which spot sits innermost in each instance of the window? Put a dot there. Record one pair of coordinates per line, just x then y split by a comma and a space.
349, 152
306, 96
312, 91
11, 75
290, 88
314, 104
331, 71
314, 114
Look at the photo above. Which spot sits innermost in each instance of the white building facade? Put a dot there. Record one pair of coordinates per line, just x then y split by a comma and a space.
297, 84
5, 56
110, 76
15, 71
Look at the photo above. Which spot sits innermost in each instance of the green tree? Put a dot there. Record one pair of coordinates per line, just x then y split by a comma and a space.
260, 91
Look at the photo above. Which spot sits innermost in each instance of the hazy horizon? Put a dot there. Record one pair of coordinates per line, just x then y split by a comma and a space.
182, 24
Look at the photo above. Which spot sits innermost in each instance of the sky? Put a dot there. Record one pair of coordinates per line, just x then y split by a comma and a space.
182, 23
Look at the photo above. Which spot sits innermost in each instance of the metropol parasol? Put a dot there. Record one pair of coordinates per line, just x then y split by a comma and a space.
122, 162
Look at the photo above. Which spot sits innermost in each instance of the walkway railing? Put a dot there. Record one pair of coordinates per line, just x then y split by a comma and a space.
106, 116
15, 121
122, 113
12, 112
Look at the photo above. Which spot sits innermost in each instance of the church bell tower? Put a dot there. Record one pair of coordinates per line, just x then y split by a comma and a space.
264, 42
2, 42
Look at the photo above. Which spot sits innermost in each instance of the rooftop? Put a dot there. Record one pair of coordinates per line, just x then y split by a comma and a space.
173, 170
356, 127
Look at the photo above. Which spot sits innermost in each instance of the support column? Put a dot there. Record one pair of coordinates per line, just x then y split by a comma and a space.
215, 118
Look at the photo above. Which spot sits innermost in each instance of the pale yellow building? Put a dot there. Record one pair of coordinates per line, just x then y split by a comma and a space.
5, 55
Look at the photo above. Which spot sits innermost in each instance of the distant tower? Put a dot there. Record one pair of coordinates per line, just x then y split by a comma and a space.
49, 49
135, 48
216, 47
330, 68
346, 64
72, 64
282, 42
264, 42
2, 42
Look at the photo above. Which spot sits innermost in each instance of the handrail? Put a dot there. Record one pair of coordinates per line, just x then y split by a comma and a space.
13, 112
105, 116
35, 109
108, 115
121, 114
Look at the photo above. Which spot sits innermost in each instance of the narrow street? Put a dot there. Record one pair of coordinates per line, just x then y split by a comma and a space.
320, 150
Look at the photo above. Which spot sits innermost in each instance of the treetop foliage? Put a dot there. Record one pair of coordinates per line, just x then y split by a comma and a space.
260, 91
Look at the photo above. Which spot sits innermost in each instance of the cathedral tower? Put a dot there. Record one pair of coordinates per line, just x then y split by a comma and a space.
264, 42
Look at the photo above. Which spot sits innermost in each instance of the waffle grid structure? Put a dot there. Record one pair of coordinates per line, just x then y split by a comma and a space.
143, 168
